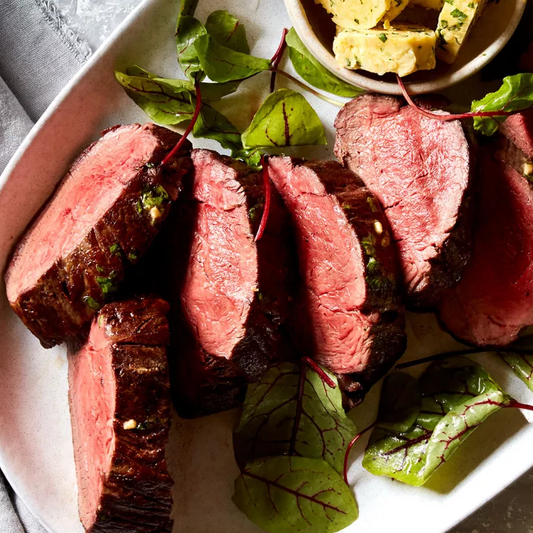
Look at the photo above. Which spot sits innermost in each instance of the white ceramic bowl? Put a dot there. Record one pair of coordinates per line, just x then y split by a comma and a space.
495, 27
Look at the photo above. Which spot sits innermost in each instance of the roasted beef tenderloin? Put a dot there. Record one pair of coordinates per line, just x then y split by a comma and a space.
494, 299
348, 315
421, 171
230, 295
519, 130
120, 409
104, 214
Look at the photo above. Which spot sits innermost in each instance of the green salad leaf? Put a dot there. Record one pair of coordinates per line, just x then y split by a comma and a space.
227, 31
188, 30
515, 94
171, 102
313, 72
291, 411
222, 64
457, 396
291, 494
284, 119
522, 366
399, 406
212, 124
521, 362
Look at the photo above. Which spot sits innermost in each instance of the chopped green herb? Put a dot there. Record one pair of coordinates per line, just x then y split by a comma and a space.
108, 283
99, 268
139, 207
471, 5
382, 37
115, 248
150, 165
154, 197
91, 302
133, 256
443, 24
458, 14
356, 21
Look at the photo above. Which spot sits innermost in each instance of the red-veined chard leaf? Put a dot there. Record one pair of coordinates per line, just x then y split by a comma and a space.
188, 30
171, 102
521, 363
284, 119
399, 405
222, 64
457, 396
313, 72
291, 494
515, 94
227, 31
291, 411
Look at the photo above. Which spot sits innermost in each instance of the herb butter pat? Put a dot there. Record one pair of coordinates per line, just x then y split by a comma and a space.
402, 49
455, 21
362, 14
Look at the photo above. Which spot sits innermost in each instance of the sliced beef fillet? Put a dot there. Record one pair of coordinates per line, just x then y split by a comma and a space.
507, 152
104, 214
494, 299
233, 292
420, 169
348, 313
519, 130
120, 409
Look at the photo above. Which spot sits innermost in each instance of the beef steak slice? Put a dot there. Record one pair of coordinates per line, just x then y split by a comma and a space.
120, 410
104, 214
518, 129
233, 293
348, 313
420, 170
494, 299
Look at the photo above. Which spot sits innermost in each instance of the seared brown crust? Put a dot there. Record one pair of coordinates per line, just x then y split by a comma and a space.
136, 494
68, 294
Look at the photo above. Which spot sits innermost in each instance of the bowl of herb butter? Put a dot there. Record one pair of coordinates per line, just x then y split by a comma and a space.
432, 44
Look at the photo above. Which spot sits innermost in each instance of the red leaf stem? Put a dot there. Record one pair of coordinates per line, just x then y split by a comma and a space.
323, 376
194, 118
446, 118
268, 196
351, 445
276, 59
513, 404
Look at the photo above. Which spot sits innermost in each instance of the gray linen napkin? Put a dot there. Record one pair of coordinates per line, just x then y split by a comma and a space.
39, 54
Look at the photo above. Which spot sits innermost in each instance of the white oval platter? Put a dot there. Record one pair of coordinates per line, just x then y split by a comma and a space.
35, 437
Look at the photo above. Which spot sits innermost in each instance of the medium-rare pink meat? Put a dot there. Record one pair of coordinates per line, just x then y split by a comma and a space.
494, 299
420, 169
120, 410
233, 292
104, 214
519, 130
348, 313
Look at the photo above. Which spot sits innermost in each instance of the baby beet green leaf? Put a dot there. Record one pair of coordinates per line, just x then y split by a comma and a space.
164, 103
291, 494
214, 125
515, 94
400, 403
313, 72
222, 64
291, 411
521, 361
188, 29
457, 396
211, 92
227, 31
284, 119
